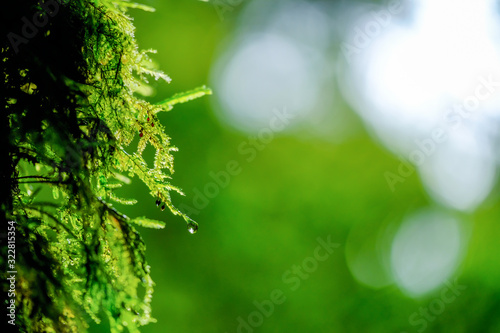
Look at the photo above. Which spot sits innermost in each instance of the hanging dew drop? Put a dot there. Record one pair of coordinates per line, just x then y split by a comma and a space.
192, 227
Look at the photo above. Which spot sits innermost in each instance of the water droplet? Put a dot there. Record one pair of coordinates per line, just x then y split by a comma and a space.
192, 227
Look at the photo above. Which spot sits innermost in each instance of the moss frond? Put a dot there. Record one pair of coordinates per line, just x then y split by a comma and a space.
71, 111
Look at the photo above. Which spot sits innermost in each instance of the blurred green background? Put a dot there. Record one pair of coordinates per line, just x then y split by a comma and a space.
320, 178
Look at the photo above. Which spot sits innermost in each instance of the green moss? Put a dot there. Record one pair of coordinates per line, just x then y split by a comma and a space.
71, 109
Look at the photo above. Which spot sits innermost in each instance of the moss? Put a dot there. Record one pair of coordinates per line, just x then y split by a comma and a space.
73, 75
